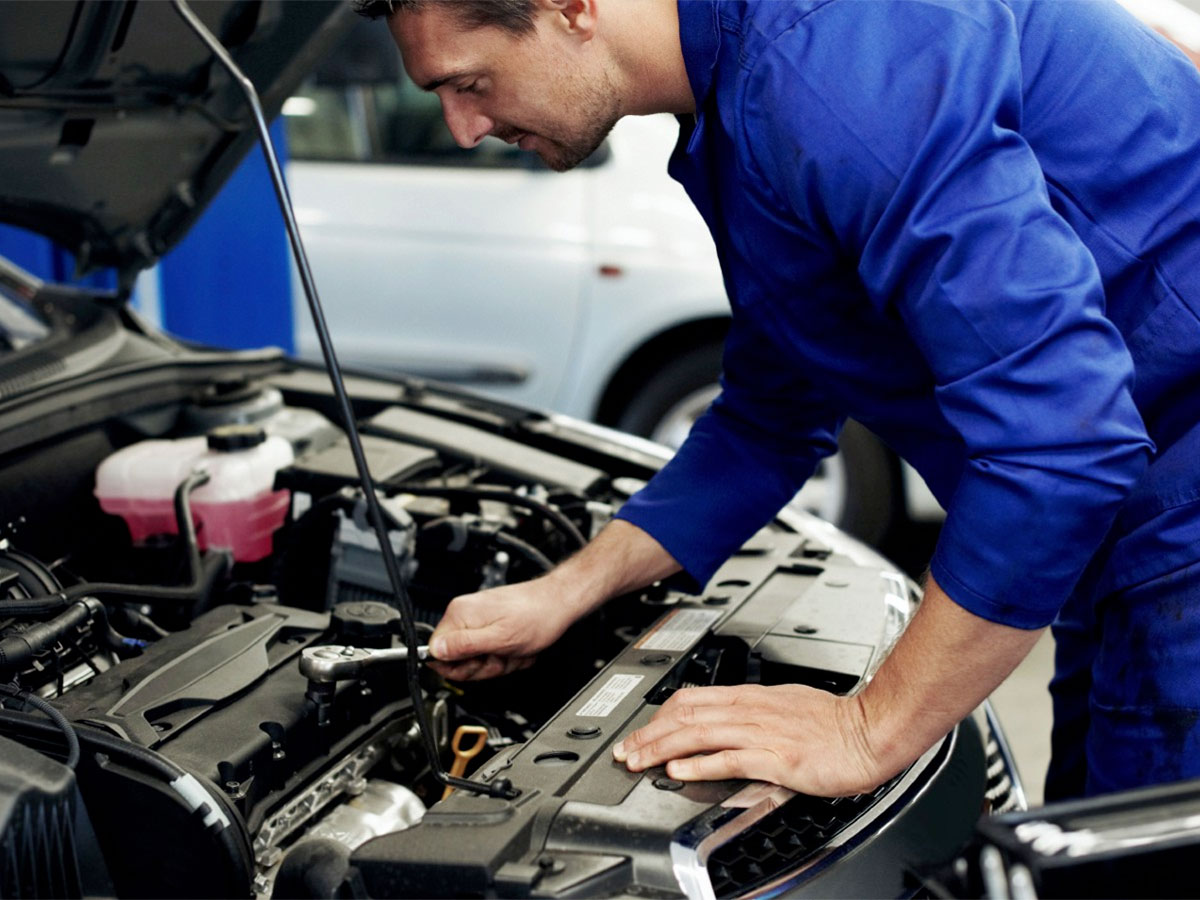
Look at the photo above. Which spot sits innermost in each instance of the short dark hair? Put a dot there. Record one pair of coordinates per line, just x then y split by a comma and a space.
515, 16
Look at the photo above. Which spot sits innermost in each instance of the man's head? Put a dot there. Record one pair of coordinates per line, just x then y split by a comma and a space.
512, 15
530, 72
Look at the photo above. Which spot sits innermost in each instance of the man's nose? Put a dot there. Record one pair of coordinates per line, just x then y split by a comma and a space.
467, 125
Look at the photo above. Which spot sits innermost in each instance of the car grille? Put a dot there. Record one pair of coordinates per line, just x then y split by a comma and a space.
1000, 792
784, 840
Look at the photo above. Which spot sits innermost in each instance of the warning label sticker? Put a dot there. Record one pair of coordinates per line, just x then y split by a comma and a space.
679, 630
611, 693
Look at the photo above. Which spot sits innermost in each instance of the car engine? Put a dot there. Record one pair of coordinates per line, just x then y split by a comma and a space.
210, 765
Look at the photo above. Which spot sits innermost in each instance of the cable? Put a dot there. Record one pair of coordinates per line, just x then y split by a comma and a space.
55, 716
202, 571
499, 787
527, 550
222, 817
457, 530
552, 515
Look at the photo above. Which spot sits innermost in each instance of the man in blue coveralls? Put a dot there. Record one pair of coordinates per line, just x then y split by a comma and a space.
975, 228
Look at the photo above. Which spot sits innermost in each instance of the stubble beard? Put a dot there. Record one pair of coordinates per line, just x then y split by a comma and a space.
599, 108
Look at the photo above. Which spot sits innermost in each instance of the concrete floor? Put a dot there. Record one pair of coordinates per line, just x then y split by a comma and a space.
1023, 705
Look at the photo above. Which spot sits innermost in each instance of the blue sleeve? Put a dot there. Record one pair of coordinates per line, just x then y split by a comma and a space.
898, 124
742, 462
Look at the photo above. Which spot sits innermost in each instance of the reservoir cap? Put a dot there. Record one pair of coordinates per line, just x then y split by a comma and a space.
228, 438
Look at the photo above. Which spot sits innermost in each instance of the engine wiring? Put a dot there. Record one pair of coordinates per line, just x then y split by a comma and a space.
68, 730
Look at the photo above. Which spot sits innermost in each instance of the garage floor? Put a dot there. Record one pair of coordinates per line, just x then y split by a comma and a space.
1023, 704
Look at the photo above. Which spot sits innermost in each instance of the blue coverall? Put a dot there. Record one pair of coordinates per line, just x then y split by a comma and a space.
975, 228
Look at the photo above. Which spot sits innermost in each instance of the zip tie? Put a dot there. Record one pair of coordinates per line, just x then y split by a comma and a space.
196, 797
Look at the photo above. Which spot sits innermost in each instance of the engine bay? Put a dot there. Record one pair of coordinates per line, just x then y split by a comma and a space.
213, 766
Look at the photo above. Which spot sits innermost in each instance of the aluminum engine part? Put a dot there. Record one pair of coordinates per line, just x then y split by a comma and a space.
382, 808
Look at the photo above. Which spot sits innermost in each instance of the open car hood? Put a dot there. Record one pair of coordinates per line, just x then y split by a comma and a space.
116, 125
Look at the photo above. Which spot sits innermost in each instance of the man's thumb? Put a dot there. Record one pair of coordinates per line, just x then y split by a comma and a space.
459, 643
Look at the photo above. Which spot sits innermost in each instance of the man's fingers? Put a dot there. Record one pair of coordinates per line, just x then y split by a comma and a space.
478, 668
684, 742
715, 695
450, 644
491, 667
681, 717
754, 764
464, 670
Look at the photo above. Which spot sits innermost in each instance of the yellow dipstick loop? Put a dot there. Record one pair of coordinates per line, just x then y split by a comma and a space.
461, 755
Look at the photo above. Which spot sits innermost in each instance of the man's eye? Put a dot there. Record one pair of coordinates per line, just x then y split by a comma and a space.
472, 88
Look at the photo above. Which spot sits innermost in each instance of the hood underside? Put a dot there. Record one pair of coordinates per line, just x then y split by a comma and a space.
117, 126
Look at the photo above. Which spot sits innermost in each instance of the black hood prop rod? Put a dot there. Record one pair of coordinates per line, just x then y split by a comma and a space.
497, 787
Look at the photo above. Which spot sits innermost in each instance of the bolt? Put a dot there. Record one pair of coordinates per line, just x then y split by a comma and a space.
804, 629
658, 659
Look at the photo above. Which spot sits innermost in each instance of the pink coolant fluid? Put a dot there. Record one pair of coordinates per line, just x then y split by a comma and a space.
237, 510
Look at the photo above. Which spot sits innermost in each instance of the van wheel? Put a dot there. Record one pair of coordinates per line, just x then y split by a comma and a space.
858, 488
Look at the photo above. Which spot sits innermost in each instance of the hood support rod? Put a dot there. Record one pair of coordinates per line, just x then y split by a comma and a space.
498, 787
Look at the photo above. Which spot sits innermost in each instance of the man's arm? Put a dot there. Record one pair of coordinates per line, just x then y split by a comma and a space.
494, 632
945, 664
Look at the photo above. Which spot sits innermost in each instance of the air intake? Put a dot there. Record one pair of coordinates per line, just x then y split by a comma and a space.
43, 828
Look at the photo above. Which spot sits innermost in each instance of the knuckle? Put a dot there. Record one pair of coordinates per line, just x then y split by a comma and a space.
735, 762
684, 713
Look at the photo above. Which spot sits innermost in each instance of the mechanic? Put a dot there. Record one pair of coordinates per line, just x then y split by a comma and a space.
975, 228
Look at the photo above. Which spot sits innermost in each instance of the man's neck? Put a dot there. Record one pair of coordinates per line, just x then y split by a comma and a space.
644, 36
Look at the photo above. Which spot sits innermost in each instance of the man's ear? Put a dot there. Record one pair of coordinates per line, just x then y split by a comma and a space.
577, 17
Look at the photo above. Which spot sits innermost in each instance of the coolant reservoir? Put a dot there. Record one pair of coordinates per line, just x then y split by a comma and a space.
236, 510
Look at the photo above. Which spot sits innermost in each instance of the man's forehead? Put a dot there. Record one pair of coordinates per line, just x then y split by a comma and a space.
435, 46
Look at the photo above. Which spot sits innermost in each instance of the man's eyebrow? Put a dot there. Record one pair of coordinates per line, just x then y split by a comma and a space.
438, 82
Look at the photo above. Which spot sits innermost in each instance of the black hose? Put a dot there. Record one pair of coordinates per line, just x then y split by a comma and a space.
18, 650
202, 572
238, 851
498, 787
457, 531
175, 776
527, 550
544, 510
55, 716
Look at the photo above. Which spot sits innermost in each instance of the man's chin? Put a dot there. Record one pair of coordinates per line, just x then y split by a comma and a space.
562, 158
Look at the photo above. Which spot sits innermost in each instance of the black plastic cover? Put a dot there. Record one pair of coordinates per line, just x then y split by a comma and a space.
47, 845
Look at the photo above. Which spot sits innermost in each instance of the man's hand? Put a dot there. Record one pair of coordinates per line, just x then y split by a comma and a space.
943, 666
804, 739
495, 632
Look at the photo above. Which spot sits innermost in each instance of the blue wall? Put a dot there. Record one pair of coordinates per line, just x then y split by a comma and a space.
47, 260
228, 282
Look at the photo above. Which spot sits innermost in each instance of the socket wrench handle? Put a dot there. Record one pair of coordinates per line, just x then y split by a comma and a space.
337, 663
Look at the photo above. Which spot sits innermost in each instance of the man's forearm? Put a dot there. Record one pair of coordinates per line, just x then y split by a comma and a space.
944, 665
619, 559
